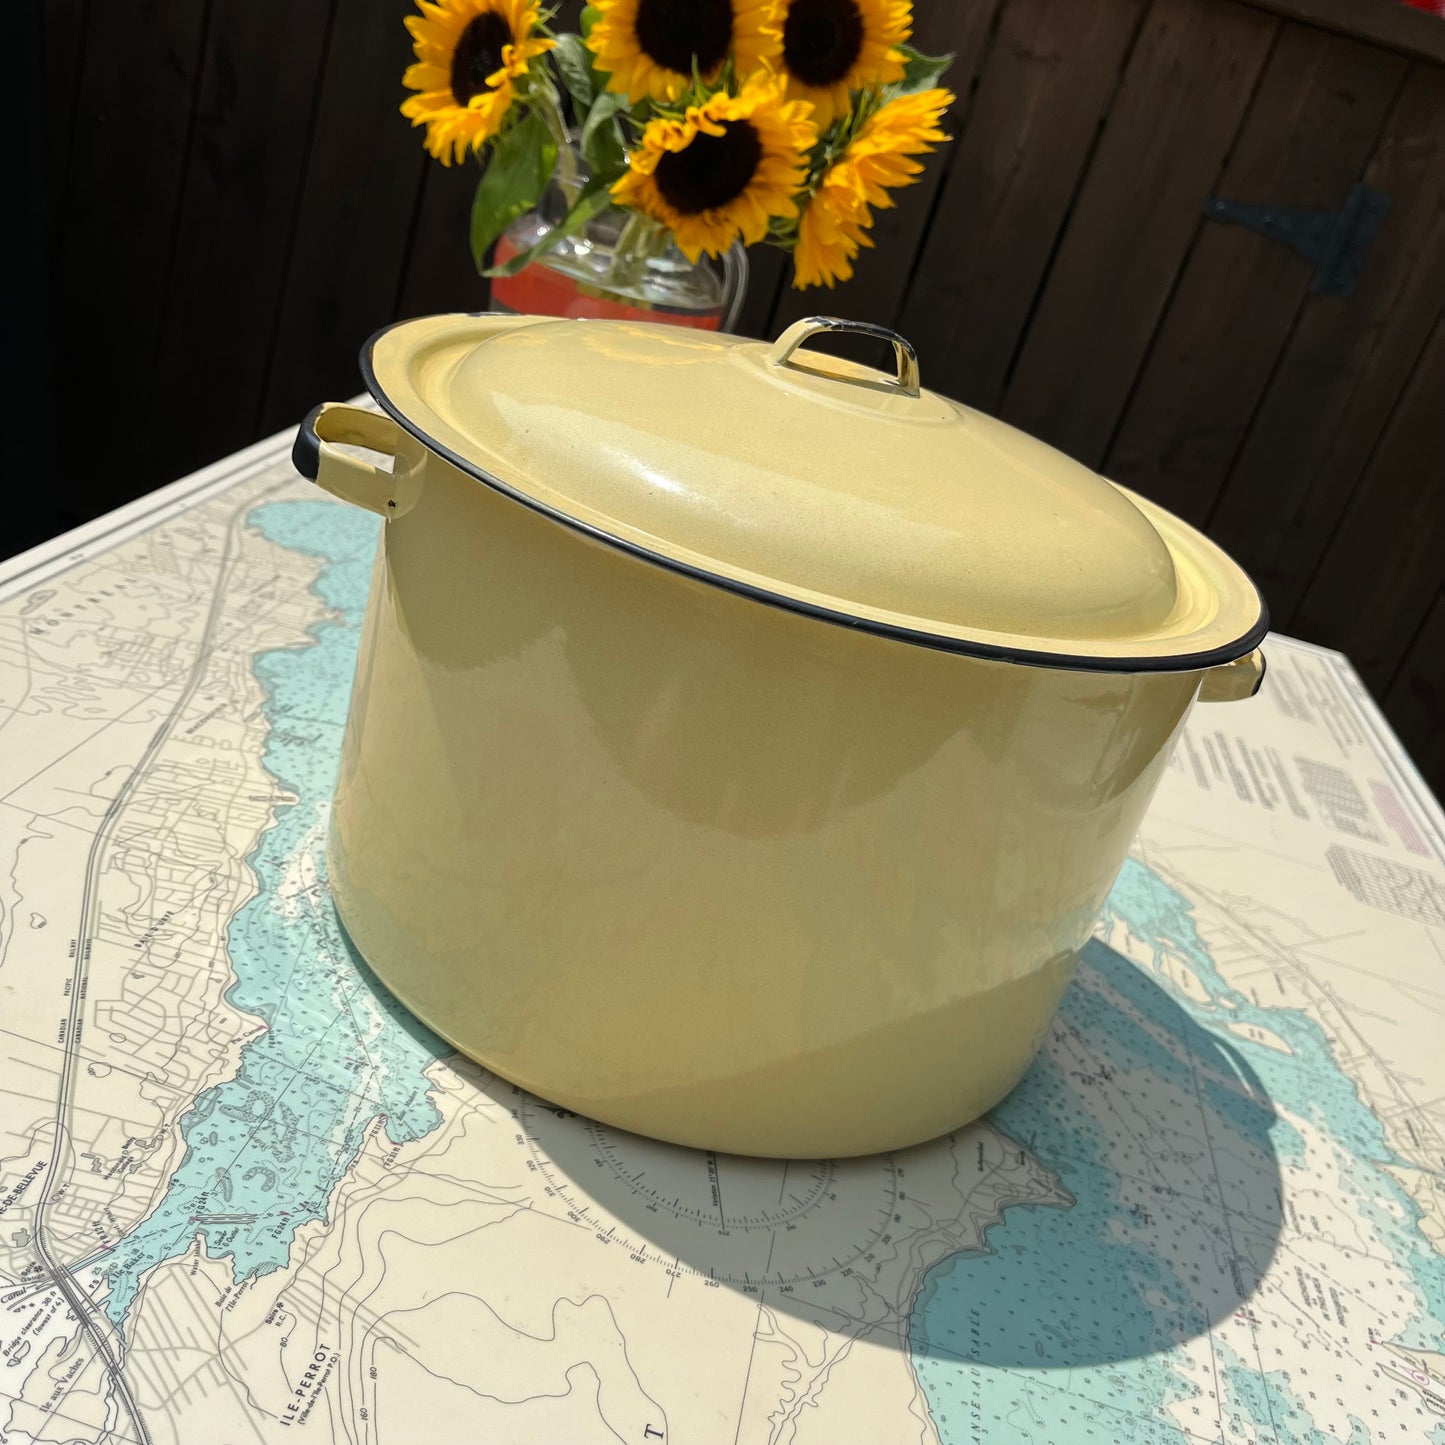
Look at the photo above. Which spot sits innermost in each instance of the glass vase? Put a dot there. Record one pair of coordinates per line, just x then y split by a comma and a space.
622, 264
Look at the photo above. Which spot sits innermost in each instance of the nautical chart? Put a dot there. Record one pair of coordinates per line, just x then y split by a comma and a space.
243, 1197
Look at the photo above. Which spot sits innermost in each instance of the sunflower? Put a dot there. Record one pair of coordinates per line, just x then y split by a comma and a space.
833, 227
878, 158
649, 47
723, 170
832, 47
468, 53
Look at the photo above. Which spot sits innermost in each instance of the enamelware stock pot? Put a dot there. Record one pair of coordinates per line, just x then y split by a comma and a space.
744, 740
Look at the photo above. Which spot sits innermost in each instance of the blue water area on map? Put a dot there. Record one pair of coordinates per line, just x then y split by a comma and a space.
266, 1147
1307, 1082
1267, 1400
1066, 1326
1124, 1105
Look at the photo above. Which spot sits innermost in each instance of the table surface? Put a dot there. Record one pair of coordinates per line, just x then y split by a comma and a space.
242, 1195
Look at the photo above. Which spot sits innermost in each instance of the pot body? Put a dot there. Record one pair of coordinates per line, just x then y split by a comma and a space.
705, 868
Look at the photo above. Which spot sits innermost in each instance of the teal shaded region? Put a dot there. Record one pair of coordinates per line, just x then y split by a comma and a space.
1166, 1133
1307, 1083
1267, 1402
1069, 1322
266, 1147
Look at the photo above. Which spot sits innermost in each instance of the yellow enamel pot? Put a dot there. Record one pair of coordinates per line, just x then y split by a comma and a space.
744, 741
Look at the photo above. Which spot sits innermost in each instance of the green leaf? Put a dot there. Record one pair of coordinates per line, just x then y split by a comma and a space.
593, 200
590, 16
602, 147
920, 72
513, 182
574, 63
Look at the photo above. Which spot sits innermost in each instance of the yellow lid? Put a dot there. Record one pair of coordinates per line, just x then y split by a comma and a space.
818, 484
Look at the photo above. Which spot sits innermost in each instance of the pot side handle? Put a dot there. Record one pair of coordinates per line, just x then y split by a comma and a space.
1231, 681
388, 493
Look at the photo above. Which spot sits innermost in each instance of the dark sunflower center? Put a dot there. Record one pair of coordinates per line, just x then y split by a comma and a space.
671, 32
822, 39
478, 54
713, 170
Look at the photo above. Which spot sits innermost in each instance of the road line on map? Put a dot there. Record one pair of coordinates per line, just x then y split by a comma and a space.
752, 1350
79, 1303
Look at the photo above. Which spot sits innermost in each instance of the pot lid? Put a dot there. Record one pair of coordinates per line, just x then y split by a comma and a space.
818, 484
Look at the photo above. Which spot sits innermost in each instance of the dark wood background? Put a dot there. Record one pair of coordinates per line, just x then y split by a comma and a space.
231, 204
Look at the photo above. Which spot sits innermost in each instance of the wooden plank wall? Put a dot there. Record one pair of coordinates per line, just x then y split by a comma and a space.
235, 205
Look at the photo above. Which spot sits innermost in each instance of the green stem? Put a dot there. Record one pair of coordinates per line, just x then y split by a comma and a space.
544, 101
642, 238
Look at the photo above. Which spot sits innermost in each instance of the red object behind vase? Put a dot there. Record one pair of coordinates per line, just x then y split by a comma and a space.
543, 290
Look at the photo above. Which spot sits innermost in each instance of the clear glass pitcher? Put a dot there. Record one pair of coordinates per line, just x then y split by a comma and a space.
621, 264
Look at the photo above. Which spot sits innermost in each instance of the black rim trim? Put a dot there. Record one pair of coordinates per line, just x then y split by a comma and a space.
992, 652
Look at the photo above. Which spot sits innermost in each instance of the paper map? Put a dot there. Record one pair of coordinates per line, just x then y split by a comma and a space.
244, 1198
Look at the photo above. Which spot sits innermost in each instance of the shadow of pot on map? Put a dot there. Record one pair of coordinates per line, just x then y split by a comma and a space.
1122, 1200
1167, 1209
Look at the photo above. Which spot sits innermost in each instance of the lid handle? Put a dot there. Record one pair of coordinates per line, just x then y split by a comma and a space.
905, 359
